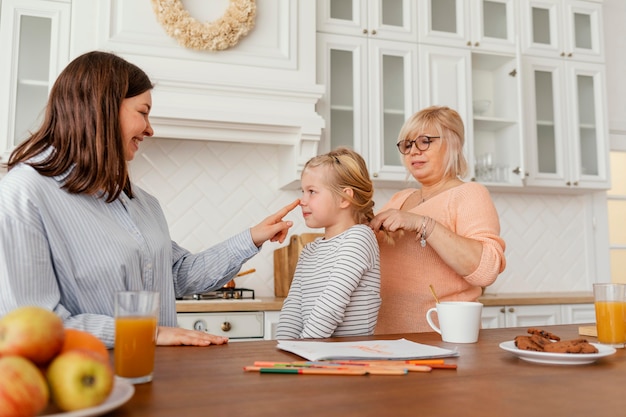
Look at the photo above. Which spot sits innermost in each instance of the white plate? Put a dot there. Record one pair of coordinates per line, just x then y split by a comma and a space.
558, 358
121, 393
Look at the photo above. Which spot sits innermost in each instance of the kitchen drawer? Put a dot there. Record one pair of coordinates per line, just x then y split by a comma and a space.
234, 325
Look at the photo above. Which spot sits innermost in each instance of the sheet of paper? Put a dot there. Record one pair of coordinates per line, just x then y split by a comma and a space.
368, 349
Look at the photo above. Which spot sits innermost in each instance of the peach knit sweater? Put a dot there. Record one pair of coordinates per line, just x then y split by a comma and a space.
407, 269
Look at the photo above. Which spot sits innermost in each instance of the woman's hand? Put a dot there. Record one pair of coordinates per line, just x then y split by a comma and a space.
176, 336
393, 220
273, 228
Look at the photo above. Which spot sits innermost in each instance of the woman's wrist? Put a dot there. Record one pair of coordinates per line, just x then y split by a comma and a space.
425, 229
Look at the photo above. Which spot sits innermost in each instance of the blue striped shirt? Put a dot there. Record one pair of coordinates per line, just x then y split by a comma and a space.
335, 289
70, 253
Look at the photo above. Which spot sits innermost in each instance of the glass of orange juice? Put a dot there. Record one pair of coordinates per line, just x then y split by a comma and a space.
610, 306
136, 318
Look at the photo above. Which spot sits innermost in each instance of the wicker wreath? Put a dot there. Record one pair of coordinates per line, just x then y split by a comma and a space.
218, 35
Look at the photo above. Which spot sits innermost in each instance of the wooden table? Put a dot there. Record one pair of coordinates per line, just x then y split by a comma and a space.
193, 381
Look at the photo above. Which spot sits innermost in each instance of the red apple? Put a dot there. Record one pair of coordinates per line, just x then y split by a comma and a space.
23, 388
79, 379
32, 332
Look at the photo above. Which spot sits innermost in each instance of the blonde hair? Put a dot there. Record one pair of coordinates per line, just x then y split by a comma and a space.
449, 126
347, 169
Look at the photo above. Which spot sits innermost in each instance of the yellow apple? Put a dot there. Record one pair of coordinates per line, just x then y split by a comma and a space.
32, 332
79, 379
23, 388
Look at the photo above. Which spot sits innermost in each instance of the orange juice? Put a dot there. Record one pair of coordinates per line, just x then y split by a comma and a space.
135, 340
611, 321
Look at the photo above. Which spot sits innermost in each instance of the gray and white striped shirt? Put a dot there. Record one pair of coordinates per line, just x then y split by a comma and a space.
70, 253
335, 289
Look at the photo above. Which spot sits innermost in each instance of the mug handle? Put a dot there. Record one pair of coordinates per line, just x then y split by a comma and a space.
430, 321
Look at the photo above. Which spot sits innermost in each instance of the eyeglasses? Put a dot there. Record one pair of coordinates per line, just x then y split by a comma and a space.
422, 143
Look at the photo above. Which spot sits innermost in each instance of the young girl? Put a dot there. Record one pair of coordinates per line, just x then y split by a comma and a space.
336, 285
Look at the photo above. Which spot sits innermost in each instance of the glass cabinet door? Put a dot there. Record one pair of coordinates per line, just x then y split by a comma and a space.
370, 92
590, 158
583, 31
342, 69
384, 19
488, 25
494, 25
546, 106
567, 124
393, 99
567, 29
34, 38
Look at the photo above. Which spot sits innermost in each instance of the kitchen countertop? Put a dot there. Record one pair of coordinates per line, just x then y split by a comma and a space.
537, 298
275, 303
207, 306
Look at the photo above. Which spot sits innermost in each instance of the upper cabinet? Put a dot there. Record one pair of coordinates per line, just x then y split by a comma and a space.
567, 133
34, 40
486, 25
565, 94
370, 81
469, 61
568, 29
370, 91
383, 19
486, 91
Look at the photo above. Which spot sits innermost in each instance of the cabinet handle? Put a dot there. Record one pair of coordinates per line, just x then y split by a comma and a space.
562, 53
469, 43
511, 310
513, 73
375, 175
570, 55
365, 31
374, 32
568, 183
575, 184
516, 170
226, 326
477, 44
502, 310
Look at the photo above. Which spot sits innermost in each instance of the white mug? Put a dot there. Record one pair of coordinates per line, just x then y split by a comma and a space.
459, 320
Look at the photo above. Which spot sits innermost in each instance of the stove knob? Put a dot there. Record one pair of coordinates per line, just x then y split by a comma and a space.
226, 326
200, 325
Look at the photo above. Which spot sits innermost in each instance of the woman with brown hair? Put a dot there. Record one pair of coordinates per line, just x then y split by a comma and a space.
446, 233
74, 229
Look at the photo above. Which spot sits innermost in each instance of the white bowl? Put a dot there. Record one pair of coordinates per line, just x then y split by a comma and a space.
481, 106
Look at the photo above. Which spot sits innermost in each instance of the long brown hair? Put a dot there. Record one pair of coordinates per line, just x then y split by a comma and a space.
347, 169
81, 127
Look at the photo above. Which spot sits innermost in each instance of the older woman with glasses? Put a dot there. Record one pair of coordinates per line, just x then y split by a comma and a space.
444, 233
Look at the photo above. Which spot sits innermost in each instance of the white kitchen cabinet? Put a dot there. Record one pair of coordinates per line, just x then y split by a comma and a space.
521, 316
566, 124
536, 315
270, 324
34, 40
486, 25
382, 19
370, 90
578, 313
458, 77
570, 29
236, 325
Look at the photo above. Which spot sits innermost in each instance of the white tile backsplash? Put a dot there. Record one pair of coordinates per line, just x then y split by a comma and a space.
212, 190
